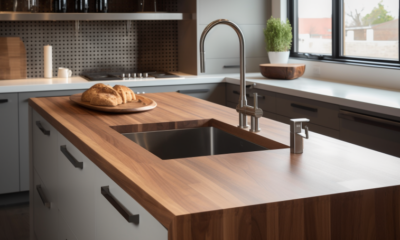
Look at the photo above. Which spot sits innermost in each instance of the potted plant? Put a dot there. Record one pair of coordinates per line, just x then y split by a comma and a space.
278, 36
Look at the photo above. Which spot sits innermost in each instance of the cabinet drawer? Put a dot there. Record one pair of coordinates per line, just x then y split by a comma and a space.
23, 122
76, 189
231, 105
45, 142
266, 99
45, 219
319, 113
371, 132
110, 224
9, 163
312, 127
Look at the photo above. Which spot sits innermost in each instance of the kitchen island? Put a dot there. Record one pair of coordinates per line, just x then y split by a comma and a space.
334, 190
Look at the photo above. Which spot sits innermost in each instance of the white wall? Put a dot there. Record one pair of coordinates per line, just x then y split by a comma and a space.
358, 75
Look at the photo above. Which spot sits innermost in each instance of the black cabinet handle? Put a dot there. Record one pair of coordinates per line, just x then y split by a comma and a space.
304, 107
44, 131
232, 66
71, 158
194, 91
3, 100
249, 96
370, 120
105, 191
43, 197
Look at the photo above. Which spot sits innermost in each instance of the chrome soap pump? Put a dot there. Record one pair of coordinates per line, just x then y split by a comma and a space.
296, 135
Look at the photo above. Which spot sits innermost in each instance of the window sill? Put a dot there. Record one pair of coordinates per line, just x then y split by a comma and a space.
352, 62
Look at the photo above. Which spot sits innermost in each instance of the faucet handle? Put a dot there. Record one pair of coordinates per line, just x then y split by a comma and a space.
306, 133
255, 99
296, 124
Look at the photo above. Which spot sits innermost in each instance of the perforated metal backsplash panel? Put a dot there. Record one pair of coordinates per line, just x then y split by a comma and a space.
99, 46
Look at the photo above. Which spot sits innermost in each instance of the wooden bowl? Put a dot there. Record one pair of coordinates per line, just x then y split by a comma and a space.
282, 71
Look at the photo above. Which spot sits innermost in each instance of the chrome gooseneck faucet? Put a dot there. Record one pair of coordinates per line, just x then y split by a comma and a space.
243, 109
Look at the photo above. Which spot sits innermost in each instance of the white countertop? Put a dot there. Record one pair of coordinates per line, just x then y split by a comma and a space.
366, 98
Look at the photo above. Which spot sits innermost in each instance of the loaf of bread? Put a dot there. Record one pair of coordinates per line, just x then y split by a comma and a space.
125, 91
121, 92
104, 95
105, 99
93, 91
112, 91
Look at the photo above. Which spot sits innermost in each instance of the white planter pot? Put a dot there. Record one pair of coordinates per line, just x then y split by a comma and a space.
278, 57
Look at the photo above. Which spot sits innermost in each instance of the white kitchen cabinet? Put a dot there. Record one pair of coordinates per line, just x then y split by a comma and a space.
110, 224
65, 232
9, 157
45, 142
45, 215
76, 189
71, 186
23, 122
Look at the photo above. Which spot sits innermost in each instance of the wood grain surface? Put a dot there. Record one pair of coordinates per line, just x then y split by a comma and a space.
282, 71
334, 190
143, 104
12, 58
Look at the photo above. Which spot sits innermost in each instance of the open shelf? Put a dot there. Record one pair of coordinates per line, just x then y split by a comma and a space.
15, 16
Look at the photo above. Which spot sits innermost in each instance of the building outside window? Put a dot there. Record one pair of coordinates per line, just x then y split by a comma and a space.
357, 31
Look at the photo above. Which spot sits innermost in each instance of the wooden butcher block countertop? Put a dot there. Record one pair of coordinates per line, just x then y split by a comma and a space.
270, 194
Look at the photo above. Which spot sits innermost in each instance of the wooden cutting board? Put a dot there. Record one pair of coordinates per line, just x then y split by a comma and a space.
282, 71
143, 104
12, 58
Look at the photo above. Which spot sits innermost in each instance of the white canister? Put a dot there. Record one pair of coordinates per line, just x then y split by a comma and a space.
64, 73
48, 61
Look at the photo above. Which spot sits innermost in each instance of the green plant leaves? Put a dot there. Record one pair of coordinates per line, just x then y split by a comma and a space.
278, 35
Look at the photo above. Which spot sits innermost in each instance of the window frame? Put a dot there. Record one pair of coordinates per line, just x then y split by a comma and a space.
337, 44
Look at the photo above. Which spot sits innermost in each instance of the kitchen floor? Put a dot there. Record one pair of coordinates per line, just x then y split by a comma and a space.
14, 222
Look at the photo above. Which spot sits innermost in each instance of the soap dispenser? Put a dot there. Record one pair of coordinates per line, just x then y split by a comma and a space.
296, 135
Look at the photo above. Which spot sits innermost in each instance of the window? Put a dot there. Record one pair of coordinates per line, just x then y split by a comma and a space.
352, 31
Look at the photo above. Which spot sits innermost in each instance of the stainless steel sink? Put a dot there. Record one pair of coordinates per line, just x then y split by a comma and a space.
193, 142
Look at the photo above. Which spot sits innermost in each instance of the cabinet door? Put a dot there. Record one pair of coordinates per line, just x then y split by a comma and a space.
65, 232
76, 189
23, 123
9, 159
380, 134
320, 113
44, 150
45, 218
110, 224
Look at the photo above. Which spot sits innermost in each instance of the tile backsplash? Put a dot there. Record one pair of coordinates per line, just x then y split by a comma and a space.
99, 46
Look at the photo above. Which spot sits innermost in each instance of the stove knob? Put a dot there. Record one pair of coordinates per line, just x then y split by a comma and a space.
146, 75
129, 76
123, 76
137, 92
140, 75
134, 75
143, 93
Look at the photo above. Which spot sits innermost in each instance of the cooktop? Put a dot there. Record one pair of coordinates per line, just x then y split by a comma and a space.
128, 76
